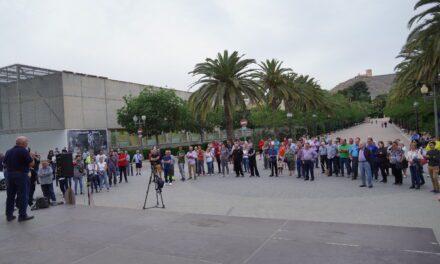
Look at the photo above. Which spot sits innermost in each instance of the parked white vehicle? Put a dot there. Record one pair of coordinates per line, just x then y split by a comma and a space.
2, 181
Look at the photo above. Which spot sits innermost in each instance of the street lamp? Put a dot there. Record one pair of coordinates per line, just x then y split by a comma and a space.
314, 124
140, 123
424, 90
289, 118
416, 107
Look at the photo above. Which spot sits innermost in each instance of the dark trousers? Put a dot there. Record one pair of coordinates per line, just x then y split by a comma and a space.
355, 167
336, 168
31, 193
167, 173
375, 169
48, 192
17, 185
300, 168
308, 167
323, 159
238, 168
63, 185
397, 174
253, 166
344, 162
273, 166
122, 170
217, 158
332, 166
383, 170
112, 177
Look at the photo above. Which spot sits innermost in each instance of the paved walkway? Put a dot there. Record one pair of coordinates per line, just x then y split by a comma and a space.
328, 199
95, 235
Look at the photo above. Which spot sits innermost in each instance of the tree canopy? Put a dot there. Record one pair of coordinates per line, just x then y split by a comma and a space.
357, 92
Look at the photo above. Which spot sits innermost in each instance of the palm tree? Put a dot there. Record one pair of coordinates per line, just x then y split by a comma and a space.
421, 52
272, 77
226, 81
304, 94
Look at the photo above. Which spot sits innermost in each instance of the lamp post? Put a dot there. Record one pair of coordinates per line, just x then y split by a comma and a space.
289, 116
416, 107
425, 91
140, 123
314, 124
329, 127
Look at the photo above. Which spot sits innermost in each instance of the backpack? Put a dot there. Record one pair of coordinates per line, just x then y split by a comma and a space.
41, 203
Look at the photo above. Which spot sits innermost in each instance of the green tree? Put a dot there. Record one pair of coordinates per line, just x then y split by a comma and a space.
226, 81
379, 104
273, 79
265, 117
421, 53
305, 94
192, 122
357, 92
161, 108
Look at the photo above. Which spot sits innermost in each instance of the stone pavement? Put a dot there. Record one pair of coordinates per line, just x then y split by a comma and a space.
93, 235
328, 199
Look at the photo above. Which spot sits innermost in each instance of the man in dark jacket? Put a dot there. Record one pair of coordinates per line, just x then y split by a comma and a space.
18, 161
433, 156
253, 161
237, 157
364, 159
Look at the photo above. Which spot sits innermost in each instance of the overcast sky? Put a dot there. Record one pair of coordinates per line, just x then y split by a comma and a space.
159, 42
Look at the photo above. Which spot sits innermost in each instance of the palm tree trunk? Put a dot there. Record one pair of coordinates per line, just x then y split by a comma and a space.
228, 121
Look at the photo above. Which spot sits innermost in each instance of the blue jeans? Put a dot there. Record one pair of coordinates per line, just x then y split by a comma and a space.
18, 184
365, 168
299, 167
246, 164
80, 182
167, 173
210, 167
415, 176
309, 167
103, 180
344, 162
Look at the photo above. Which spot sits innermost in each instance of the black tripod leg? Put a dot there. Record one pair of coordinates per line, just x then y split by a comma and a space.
161, 198
148, 189
88, 193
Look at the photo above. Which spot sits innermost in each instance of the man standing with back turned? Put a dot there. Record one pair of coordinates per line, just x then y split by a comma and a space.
18, 161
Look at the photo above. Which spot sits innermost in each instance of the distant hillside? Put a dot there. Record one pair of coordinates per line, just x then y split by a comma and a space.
377, 85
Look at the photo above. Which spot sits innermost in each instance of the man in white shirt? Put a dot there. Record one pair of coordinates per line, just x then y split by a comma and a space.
137, 159
101, 155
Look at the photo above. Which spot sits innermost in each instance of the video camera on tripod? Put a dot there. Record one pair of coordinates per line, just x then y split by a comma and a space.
158, 185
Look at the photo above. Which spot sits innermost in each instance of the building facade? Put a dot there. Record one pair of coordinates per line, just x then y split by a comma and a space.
61, 108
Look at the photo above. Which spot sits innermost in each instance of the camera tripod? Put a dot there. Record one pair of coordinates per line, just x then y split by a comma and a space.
155, 179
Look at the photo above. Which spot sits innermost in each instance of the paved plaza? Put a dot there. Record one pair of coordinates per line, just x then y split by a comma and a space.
240, 220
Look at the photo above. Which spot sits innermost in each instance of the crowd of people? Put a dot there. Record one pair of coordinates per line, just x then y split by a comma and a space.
370, 160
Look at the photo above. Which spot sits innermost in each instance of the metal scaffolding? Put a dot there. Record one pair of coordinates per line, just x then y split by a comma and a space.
19, 72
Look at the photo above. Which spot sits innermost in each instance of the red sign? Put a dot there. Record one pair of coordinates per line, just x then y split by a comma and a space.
243, 122
140, 132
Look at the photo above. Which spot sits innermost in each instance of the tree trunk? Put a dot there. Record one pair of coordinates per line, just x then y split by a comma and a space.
228, 122
157, 140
